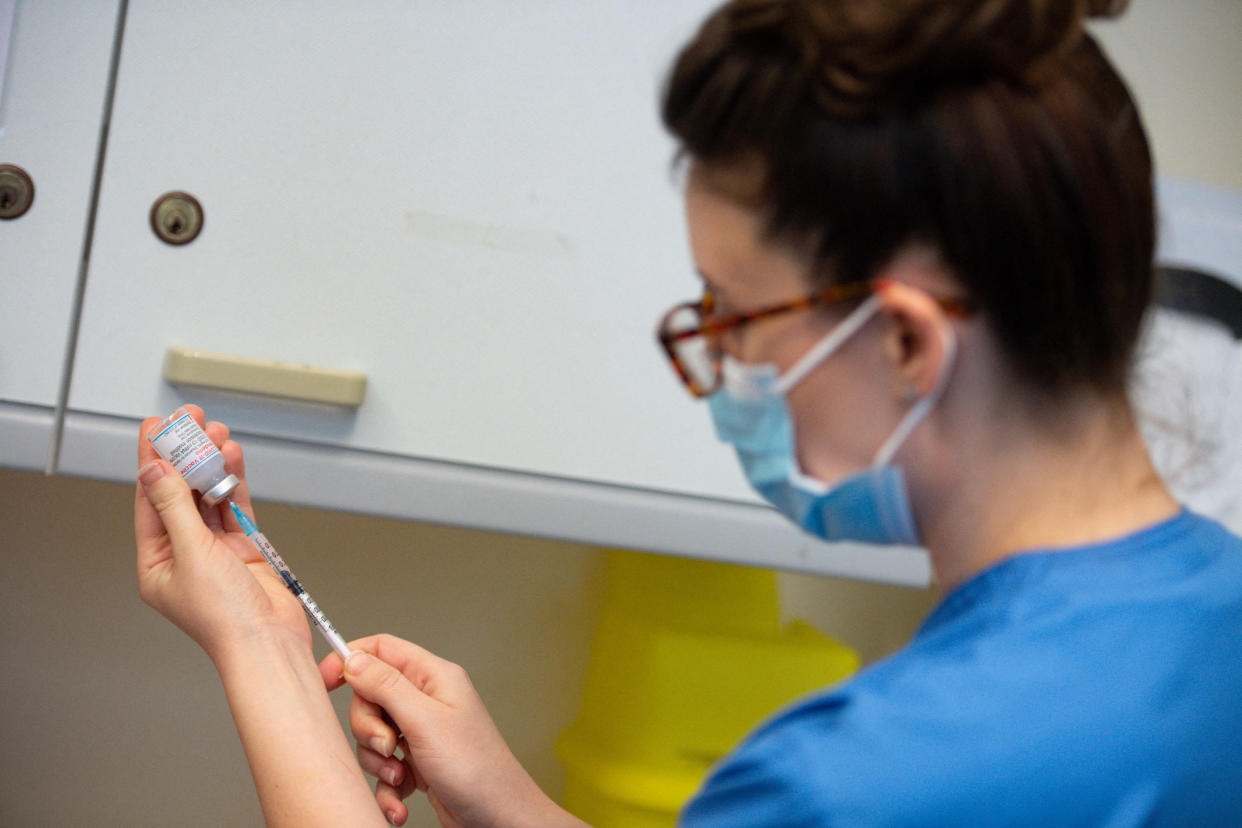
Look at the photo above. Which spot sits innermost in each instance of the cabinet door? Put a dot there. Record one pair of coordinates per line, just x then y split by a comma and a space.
52, 88
471, 203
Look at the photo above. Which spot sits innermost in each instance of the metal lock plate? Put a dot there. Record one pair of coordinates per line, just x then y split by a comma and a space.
177, 218
16, 191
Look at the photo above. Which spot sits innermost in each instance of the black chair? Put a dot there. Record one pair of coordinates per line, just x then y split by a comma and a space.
1195, 292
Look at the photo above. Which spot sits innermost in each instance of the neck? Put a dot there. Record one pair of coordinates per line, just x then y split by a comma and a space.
1017, 487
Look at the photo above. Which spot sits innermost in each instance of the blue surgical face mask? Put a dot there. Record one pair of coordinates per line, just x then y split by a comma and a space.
751, 413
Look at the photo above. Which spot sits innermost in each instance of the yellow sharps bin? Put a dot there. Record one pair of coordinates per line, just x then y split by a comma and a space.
688, 657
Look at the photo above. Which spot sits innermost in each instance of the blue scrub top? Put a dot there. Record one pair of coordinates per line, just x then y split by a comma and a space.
1099, 685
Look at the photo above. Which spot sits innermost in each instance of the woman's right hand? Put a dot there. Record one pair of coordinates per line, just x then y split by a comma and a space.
195, 564
451, 748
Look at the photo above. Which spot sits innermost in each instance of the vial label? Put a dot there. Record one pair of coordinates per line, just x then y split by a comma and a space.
185, 445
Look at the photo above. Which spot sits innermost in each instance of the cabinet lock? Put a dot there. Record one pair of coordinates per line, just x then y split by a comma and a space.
16, 191
177, 217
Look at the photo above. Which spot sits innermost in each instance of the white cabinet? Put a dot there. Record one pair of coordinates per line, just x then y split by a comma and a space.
471, 204
473, 208
51, 106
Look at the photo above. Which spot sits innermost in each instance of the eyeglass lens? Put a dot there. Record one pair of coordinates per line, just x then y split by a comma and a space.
698, 356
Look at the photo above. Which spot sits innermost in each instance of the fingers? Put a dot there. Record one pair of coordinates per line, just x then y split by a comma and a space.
146, 451
147, 523
219, 516
377, 743
401, 679
372, 725
332, 669
164, 495
216, 516
234, 461
434, 676
391, 802
216, 430
383, 685
388, 769
235, 464
371, 728
411, 660
164, 501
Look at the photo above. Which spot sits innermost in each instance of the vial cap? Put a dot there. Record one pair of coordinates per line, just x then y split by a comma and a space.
221, 490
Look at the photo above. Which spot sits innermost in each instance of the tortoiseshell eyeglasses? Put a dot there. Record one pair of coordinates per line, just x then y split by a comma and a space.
691, 336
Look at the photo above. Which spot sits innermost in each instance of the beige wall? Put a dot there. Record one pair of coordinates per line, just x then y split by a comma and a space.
111, 717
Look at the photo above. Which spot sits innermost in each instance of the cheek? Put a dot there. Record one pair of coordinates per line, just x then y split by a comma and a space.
842, 413
826, 415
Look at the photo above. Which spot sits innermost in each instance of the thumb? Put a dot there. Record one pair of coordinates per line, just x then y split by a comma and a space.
383, 684
170, 496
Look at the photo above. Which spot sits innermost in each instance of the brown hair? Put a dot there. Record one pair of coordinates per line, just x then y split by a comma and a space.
994, 130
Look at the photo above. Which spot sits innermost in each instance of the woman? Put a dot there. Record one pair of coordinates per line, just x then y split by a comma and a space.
925, 233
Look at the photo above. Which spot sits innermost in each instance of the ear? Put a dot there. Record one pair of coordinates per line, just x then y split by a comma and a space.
917, 340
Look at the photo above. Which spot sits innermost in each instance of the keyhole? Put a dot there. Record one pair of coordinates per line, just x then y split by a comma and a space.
176, 217
16, 191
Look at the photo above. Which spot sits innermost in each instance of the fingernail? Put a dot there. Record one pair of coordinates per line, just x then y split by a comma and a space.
150, 473
357, 662
389, 775
391, 816
379, 744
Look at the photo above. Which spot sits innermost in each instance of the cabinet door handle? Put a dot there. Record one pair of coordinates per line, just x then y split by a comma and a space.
185, 366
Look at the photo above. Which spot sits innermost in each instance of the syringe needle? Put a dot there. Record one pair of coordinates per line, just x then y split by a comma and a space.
270, 555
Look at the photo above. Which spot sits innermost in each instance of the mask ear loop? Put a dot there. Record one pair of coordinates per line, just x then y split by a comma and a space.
834, 339
923, 407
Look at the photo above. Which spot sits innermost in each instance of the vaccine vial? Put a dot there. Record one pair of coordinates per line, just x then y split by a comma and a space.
180, 441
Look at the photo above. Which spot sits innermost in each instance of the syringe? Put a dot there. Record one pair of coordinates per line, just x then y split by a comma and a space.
282, 569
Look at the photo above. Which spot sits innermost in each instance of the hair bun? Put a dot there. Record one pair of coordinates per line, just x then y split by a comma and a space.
1106, 8
859, 55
